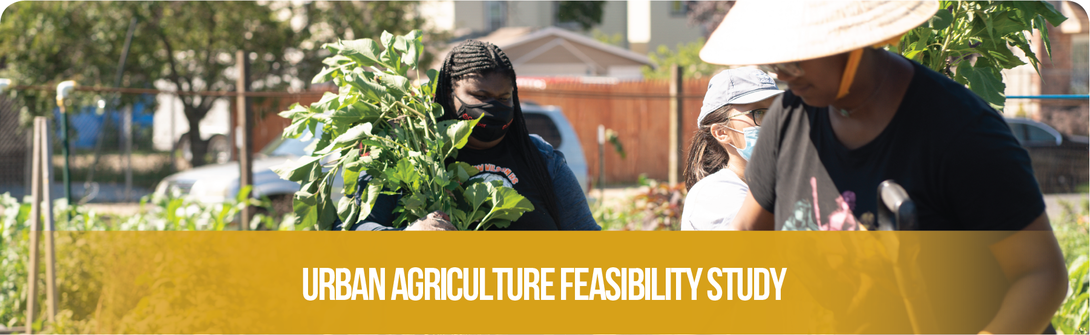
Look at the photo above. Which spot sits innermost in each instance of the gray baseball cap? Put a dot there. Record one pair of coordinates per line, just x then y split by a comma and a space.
737, 86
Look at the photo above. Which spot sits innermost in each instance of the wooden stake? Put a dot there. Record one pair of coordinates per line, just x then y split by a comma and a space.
676, 104
48, 226
35, 216
245, 124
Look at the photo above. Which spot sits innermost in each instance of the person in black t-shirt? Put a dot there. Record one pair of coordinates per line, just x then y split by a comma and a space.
477, 81
856, 115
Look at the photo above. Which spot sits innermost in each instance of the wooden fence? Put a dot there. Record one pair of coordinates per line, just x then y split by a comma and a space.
637, 110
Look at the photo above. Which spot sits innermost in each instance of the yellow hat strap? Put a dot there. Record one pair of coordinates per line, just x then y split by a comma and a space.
853, 65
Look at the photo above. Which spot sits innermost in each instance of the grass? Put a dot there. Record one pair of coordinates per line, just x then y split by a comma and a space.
1073, 235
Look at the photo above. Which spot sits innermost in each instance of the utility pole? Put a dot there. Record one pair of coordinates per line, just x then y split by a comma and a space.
676, 104
245, 123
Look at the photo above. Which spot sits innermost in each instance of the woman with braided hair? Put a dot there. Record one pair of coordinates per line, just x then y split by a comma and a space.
477, 80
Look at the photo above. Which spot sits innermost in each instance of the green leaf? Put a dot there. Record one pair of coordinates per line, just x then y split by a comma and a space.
507, 206
368, 202
327, 74
322, 142
412, 56
1040, 26
336, 60
985, 82
1046, 10
351, 172
456, 133
401, 44
304, 206
356, 112
294, 110
500, 223
399, 84
374, 92
459, 219
941, 20
433, 77
387, 39
327, 210
363, 51
1005, 58
414, 204
477, 194
297, 170
351, 136
344, 208
462, 171
402, 173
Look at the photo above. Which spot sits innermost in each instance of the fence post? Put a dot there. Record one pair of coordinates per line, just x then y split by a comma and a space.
676, 104
35, 217
245, 123
601, 164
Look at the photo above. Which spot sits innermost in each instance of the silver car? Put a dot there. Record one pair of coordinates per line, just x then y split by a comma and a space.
218, 183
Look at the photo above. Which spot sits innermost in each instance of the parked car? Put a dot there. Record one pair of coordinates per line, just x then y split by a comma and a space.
219, 182
1061, 162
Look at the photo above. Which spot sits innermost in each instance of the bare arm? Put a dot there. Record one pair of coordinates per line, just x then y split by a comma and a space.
753, 217
1031, 259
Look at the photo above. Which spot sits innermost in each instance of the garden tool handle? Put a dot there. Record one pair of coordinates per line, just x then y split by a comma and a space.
896, 210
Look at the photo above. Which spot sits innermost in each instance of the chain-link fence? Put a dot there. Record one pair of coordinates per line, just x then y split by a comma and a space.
119, 154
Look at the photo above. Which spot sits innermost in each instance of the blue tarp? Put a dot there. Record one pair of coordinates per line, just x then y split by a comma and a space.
87, 124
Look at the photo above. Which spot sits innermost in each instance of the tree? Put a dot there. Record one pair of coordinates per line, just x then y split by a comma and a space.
43, 43
971, 42
585, 13
189, 44
687, 56
708, 14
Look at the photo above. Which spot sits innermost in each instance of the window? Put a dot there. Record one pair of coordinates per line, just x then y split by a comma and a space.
1080, 64
679, 8
496, 14
1036, 134
543, 126
1019, 131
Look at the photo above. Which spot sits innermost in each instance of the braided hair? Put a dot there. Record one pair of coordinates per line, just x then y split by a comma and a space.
474, 57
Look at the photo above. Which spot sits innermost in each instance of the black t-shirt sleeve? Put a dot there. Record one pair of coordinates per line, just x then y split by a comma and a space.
761, 168
990, 184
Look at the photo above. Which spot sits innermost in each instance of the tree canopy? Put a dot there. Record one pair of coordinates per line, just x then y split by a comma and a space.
191, 45
586, 13
686, 55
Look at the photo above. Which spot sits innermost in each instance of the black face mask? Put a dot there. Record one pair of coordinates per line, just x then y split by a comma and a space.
493, 125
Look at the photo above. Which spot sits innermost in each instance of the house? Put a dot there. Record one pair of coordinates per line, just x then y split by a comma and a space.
659, 23
556, 52
1066, 72
642, 25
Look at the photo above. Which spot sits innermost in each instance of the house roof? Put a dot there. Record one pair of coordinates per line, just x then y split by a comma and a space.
552, 45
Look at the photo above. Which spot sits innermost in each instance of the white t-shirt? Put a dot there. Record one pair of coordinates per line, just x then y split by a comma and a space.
714, 201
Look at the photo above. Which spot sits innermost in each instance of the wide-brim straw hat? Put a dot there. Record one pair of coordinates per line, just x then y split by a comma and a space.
767, 32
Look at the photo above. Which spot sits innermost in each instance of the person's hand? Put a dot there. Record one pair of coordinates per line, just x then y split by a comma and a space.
435, 221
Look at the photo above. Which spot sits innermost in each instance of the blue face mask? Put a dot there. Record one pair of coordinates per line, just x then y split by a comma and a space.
750, 134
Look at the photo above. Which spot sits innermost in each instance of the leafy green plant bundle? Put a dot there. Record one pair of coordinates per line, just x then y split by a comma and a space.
971, 41
382, 125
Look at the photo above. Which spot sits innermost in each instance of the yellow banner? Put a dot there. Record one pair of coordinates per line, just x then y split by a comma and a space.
535, 282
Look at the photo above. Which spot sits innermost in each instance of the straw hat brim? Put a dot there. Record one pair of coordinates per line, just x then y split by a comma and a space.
767, 32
